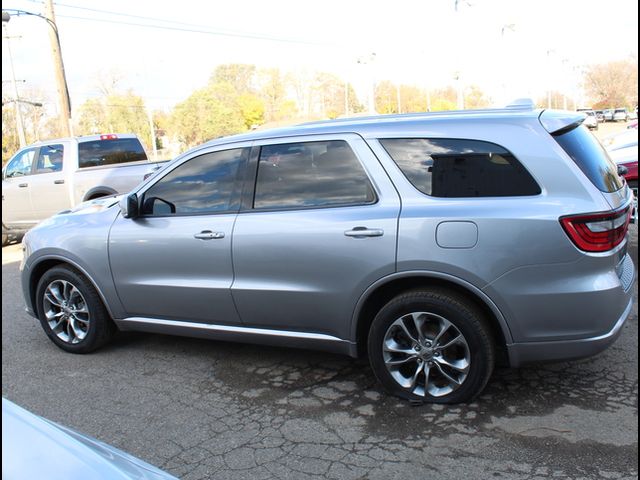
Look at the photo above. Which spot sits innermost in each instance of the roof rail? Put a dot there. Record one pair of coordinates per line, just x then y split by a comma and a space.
521, 104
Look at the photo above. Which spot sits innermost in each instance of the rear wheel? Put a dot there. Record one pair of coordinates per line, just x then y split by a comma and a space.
71, 311
431, 346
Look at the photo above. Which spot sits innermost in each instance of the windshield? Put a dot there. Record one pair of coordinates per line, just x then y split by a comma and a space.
591, 157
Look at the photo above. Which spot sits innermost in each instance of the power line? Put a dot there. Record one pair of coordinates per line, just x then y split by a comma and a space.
181, 26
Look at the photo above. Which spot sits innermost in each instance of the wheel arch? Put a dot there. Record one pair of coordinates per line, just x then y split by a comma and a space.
381, 292
45, 264
97, 192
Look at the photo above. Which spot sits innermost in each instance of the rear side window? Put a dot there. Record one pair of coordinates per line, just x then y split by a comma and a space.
311, 175
591, 158
109, 152
453, 168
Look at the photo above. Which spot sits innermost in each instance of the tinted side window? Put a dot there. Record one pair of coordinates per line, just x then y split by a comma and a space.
460, 168
50, 158
108, 152
21, 164
591, 158
209, 183
311, 174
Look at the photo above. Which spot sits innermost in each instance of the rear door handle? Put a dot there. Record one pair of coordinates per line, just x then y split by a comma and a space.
208, 235
23, 185
361, 232
58, 182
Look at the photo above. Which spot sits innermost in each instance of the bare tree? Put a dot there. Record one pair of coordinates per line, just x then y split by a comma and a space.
613, 84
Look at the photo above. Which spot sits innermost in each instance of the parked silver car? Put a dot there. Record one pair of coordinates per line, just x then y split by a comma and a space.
438, 244
34, 447
620, 115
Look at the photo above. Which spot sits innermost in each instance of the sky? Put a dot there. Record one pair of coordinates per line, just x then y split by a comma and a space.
164, 50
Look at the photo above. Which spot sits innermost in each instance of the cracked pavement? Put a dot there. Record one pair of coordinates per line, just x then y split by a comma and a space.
203, 409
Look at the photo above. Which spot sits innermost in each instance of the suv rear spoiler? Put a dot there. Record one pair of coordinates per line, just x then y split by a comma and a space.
557, 122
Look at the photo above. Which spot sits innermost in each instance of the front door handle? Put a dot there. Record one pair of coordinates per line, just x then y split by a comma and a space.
208, 235
362, 232
23, 185
58, 182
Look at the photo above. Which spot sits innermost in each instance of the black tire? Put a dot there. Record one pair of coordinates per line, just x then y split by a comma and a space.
99, 329
462, 314
5, 239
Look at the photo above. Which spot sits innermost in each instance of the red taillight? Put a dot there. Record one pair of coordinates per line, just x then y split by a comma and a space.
109, 136
597, 232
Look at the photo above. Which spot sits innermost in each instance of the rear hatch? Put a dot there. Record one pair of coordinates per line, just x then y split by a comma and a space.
600, 231
588, 154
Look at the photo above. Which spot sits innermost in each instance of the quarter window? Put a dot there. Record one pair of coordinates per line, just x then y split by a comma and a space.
311, 174
21, 164
209, 183
460, 168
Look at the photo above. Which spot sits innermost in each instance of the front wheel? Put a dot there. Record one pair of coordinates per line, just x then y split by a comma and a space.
431, 346
71, 311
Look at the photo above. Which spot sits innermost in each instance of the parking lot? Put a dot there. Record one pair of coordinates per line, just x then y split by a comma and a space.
206, 409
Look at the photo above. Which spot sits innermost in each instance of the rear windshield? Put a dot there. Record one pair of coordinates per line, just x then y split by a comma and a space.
110, 152
592, 158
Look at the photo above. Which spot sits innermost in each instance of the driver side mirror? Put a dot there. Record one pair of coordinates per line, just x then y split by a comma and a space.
129, 206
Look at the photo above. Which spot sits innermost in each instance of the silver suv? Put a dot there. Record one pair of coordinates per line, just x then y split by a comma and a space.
437, 244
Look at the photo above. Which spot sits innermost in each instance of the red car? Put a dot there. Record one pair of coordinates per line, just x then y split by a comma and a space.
623, 149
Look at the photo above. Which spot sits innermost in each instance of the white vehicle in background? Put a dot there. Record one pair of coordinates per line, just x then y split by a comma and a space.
54, 175
592, 119
620, 115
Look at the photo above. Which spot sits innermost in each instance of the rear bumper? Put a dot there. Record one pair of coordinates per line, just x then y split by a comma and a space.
523, 353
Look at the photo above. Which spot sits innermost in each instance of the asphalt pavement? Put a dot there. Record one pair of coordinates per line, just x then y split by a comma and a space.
203, 409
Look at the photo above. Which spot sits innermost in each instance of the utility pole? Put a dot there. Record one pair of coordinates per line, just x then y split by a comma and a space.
19, 122
346, 98
61, 80
154, 147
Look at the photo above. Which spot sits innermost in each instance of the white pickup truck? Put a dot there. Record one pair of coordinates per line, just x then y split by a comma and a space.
48, 177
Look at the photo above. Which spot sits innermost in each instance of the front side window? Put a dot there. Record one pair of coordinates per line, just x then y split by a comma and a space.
50, 158
209, 183
454, 168
311, 174
21, 164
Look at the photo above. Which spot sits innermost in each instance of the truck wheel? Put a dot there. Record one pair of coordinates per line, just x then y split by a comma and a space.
71, 312
431, 346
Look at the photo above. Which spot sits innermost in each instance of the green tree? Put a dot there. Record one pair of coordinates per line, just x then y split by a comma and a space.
443, 99
252, 109
240, 76
208, 113
117, 113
